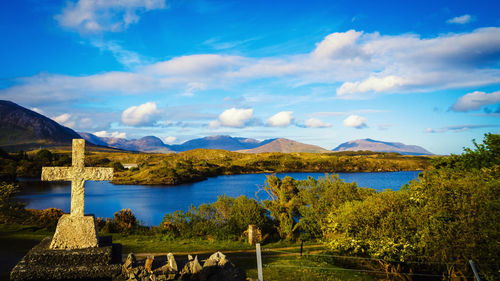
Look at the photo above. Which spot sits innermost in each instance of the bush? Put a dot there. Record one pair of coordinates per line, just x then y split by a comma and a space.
117, 166
45, 218
10, 209
227, 218
124, 221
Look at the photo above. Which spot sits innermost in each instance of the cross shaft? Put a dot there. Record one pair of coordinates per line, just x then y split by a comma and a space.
77, 174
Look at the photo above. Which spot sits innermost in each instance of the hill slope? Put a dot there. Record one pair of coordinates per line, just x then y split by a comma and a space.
285, 146
21, 127
381, 146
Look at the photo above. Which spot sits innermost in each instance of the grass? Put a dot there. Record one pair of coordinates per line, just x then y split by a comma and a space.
16, 240
303, 269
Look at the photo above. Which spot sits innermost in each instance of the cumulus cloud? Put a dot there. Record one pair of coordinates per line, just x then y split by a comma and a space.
169, 139
141, 115
355, 121
339, 45
475, 100
316, 123
38, 110
461, 19
234, 117
62, 118
105, 15
105, 134
280, 119
375, 84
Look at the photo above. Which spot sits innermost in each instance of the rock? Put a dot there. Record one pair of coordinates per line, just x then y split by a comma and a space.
170, 267
149, 263
218, 268
74, 232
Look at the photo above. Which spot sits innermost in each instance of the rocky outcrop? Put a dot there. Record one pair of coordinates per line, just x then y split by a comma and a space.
216, 268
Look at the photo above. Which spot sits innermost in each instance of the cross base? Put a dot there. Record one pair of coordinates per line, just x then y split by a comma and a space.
42, 263
75, 232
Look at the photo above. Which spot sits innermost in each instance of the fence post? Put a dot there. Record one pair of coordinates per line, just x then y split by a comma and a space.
474, 270
259, 263
301, 246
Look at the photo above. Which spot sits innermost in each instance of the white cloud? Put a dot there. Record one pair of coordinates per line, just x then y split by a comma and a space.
374, 84
63, 118
475, 100
142, 115
196, 65
193, 87
339, 45
363, 63
460, 20
105, 134
125, 57
316, 123
169, 139
85, 123
280, 119
92, 16
234, 117
38, 110
459, 128
214, 125
355, 121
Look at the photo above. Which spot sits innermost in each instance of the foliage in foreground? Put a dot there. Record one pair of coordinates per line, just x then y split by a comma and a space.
437, 223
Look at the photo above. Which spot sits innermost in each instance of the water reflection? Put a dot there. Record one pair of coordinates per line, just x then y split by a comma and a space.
150, 203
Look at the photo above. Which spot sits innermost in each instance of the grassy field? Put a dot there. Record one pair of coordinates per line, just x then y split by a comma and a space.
16, 240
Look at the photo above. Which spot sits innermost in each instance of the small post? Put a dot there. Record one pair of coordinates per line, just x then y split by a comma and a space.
301, 246
259, 263
474, 270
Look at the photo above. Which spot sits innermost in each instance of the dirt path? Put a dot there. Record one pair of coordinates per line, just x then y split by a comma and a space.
248, 251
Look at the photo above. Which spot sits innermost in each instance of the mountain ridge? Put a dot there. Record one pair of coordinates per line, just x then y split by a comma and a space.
22, 126
382, 146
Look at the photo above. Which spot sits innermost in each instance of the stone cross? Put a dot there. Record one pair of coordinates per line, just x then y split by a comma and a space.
76, 231
77, 174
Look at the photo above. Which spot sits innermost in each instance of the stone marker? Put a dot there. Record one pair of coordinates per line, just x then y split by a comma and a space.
76, 231
254, 234
75, 251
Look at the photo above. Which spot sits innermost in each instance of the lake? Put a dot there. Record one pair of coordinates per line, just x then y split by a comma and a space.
151, 203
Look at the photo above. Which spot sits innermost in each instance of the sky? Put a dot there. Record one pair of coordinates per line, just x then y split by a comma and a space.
320, 72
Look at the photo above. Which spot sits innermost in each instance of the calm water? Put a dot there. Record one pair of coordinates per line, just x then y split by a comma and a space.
150, 203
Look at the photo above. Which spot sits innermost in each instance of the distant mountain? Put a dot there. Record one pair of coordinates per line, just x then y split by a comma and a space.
219, 142
145, 144
381, 146
21, 127
93, 139
286, 146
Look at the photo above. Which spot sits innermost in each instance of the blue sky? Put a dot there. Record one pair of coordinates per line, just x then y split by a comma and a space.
319, 72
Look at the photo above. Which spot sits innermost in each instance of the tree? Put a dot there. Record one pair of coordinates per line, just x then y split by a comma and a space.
283, 204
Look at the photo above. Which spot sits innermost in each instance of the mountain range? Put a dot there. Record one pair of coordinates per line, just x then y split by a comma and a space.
26, 129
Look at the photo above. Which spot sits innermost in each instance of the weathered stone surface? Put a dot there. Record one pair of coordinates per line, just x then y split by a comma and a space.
254, 234
77, 229
216, 268
170, 266
42, 263
74, 232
